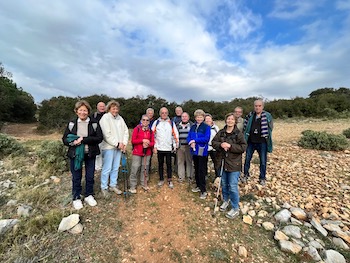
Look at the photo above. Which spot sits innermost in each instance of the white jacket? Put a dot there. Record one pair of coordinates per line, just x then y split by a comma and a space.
114, 131
166, 135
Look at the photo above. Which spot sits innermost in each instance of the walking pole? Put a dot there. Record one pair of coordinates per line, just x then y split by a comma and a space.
145, 187
125, 174
218, 191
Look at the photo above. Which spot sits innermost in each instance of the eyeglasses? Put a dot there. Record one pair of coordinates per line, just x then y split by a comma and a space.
145, 119
164, 112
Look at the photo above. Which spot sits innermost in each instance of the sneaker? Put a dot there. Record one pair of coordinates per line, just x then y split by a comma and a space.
203, 195
105, 193
171, 185
160, 183
146, 188
115, 190
232, 213
181, 181
262, 182
196, 190
224, 206
90, 200
133, 191
77, 204
244, 179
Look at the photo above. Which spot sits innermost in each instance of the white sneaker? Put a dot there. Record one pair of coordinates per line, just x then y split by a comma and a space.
77, 204
133, 191
115, 190
224, 206
90, 200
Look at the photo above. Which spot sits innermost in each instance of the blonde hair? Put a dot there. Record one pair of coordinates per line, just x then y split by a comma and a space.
199, 112
82, 103
111, 104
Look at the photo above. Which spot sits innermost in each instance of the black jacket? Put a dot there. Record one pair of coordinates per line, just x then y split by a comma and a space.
233, 157
94, 137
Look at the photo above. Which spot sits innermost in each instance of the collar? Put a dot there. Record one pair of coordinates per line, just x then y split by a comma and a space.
87, 120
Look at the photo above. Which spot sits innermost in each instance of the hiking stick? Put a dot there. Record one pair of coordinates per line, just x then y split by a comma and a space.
218, 191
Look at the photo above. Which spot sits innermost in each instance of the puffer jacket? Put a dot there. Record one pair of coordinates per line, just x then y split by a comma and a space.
233, 157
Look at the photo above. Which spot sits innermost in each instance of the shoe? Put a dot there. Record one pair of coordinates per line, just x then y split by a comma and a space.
105, 193
160, 183
262, 182
203, 195
115, 190
77, 204
146, 188
90, 200
232, 213
133, 191
171, 185
181, 181
224, 206
196, 190
244, 179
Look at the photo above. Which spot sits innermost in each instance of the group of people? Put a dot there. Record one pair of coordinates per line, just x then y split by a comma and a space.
100, 139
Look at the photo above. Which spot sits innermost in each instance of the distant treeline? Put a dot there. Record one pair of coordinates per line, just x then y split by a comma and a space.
19, 106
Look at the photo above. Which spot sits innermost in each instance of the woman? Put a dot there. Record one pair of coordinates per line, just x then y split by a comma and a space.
142, 140
213, 131
115, 139
82, 135
198, 139
229, 144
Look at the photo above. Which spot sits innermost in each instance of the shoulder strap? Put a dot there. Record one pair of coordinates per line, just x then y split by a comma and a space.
70, 126
94, 126
95, 114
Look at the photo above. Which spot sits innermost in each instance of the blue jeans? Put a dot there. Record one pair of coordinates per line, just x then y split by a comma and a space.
261, 148
229, 182
110, 165
77, 176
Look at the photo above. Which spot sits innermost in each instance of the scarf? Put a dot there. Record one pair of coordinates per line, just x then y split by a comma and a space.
264, 124
79, 152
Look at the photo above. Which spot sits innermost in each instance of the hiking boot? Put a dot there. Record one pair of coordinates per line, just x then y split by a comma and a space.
90, 200
77, 204
171, 185
196, 190
244, 179
224, 206
262, 182
232, 213
105, 193
203, 195
160, 183
133, 191
115, 190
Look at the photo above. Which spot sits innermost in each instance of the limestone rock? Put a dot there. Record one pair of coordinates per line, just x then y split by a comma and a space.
68, 222
247, 219
317, 224
283, 216
12, 202
268, 226
342, 235
312, 252
340, 243
77, 229
252, 213
298, 213
262, 213
242, 252
332, 256
24, 210
289, 247
315, 244
207, 209
279, 235
292, 231
7, 224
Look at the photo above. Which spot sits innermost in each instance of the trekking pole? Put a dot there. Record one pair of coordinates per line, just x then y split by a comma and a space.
145, 187
125, 174
218, 191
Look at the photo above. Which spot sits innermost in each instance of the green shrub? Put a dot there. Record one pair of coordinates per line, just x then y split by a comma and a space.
9, 145
52, 155
323, 141
346, 133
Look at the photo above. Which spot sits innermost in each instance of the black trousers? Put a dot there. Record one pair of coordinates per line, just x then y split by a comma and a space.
167, 156
200, 171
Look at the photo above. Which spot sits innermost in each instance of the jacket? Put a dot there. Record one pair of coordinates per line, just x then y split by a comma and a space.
201, 135
166, 135
136, 139
233, 157
92, 140
114, 131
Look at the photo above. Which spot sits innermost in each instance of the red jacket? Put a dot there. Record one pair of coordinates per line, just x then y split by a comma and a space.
137, 136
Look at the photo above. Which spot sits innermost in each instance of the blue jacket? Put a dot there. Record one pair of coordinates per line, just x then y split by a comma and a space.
201, 135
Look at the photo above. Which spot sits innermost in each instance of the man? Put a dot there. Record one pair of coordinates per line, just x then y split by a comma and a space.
166, 138
258, 126
100, 110
184, 158
178, 115
238, 114
150, 115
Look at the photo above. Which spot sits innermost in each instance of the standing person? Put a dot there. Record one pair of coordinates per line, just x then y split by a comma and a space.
240, 121
82, 135
213, 131
115, 139
166, 138
184, 158
142, 140
198, 139
230, 145
100, 110
258, 126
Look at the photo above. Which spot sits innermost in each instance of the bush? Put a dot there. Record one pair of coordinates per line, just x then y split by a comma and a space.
9, 145
346, 133
323, 141
52, 155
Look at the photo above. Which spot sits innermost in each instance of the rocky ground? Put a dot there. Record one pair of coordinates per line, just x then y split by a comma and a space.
302, 215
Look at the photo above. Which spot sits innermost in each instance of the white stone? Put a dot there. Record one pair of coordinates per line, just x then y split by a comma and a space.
340, 243
262, 213
252, 213
292, 231
316, 224
315, 244
312, 252
268, 226
77, 229
283, 216
24, 210
68, 222
298, 213
289, 247
332, 256
279, 235
6, 224
12, 202
242, 252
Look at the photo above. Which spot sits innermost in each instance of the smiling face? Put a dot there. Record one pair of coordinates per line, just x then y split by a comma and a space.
209, 120
230, 121
199, 119
82, 112
114, 110
101, 107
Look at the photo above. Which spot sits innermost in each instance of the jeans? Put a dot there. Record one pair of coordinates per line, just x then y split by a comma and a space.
261, 148
184, 162
167, 155
200, 171
137, 162
77, 176
110, 165
229, 183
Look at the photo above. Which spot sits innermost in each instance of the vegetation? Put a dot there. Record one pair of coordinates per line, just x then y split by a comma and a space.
346, 133
323, 141
9, 145
52, 155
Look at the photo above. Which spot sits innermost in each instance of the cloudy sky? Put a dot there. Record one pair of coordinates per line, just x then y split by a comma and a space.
178, 50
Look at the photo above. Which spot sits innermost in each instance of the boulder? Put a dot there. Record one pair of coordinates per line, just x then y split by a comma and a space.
68, 222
